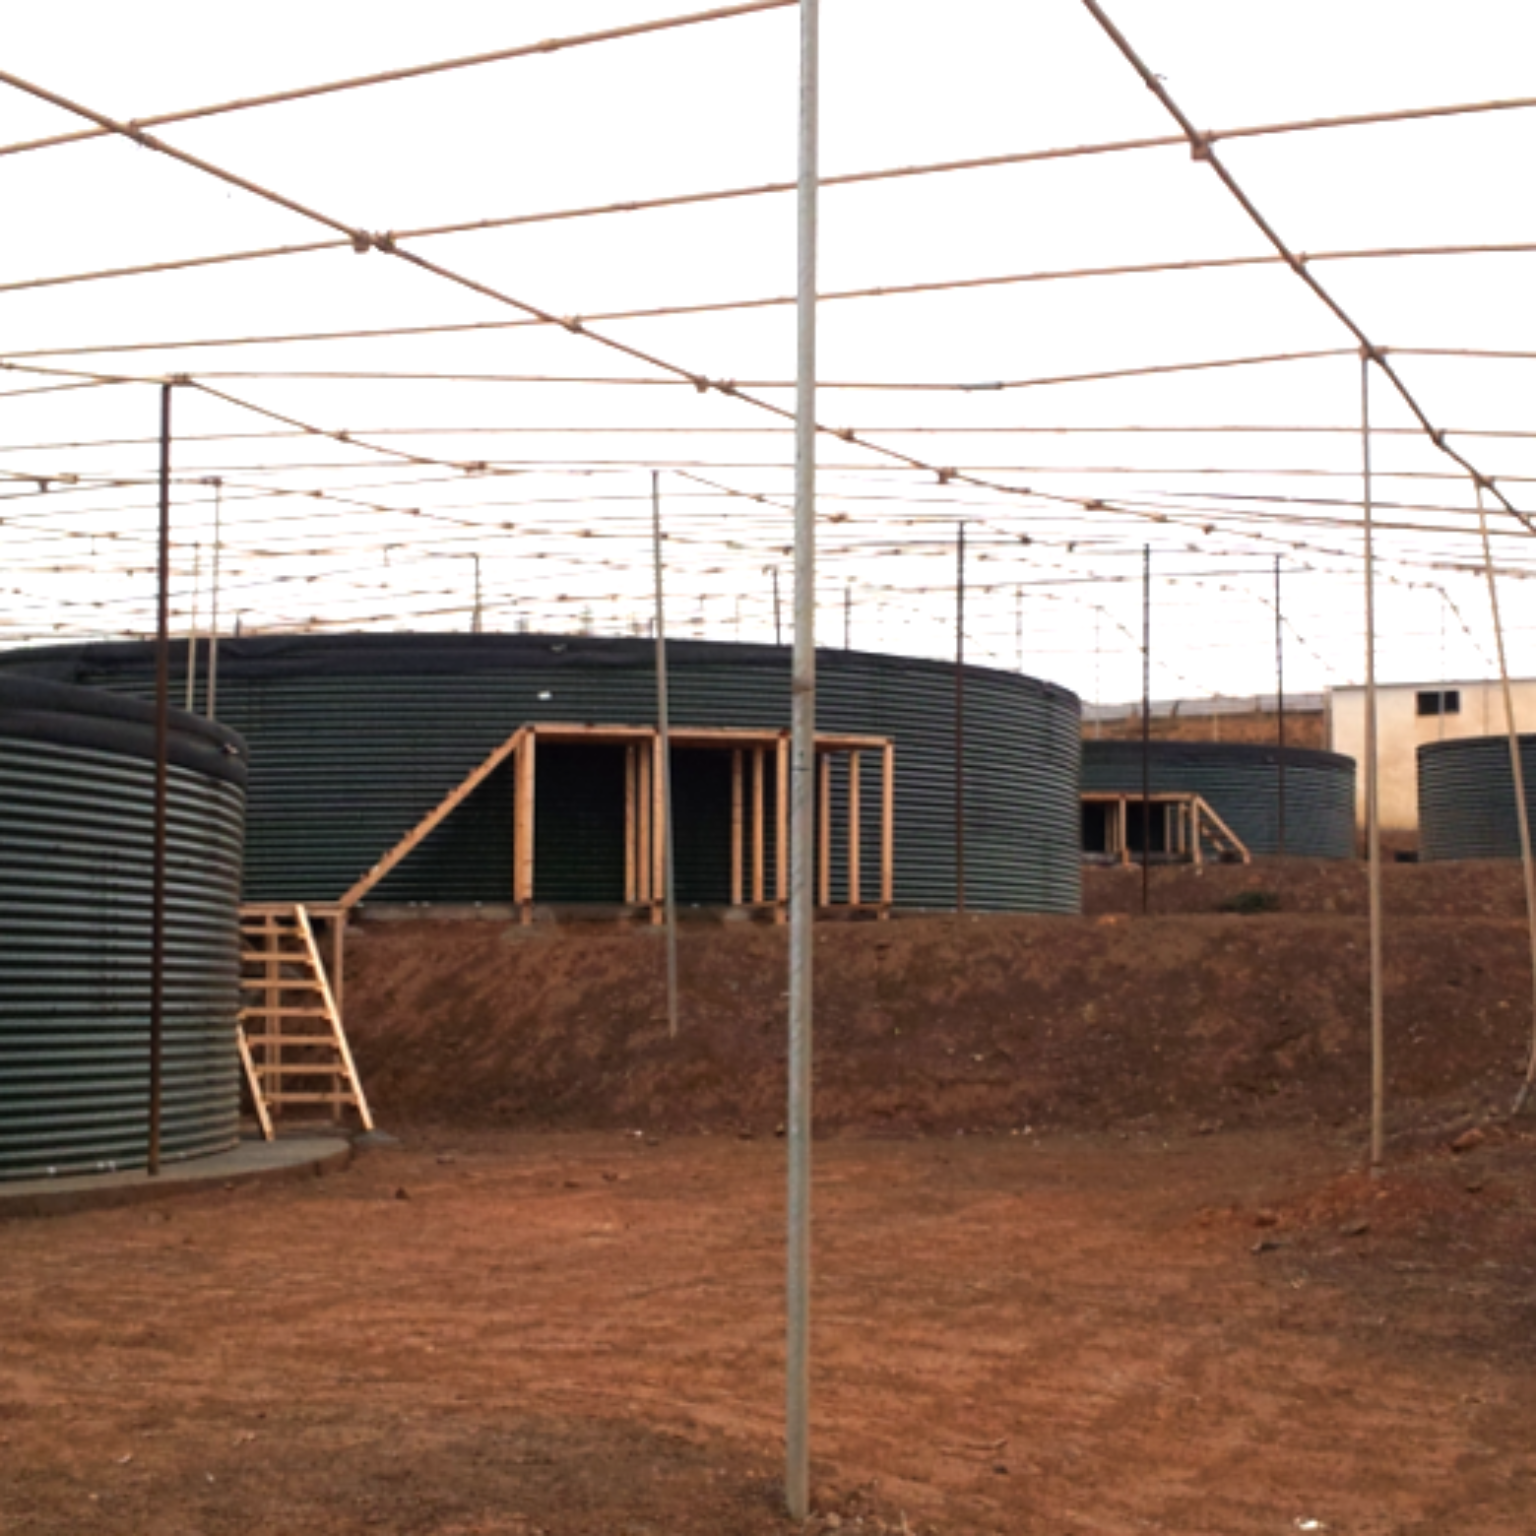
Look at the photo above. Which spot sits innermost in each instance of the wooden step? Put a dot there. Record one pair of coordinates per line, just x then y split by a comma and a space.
281, 963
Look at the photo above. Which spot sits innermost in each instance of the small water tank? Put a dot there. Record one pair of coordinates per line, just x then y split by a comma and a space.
76, 880
1240, 781
1467, 807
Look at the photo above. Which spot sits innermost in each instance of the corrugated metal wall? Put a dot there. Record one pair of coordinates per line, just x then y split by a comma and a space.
1241, 783
1467, 804
76, 845
355, 737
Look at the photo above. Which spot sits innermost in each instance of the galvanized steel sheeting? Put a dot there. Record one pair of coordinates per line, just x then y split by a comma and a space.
76, 840
355, 737
1240, 781
1467, 804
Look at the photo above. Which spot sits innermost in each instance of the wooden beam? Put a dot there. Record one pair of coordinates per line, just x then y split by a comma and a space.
629, 824
658, 830
737, 819
559, 731
338, 923
432, 820
1239, 847
343, 1049
254, 1084
759, 853
824, 830
853, 829
735, 736
642, 825
887, 828
525, 766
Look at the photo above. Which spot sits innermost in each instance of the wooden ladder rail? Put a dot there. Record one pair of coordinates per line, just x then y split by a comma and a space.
253, 1082
343, 1048
278, 923
1222, 834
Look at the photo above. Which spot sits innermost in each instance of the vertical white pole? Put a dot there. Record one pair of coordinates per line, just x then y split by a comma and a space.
797, 1469
1372, 785
1522, 812
664, 726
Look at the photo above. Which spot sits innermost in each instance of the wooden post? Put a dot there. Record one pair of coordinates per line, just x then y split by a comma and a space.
853, 829
824, 830
643, 825
759, 862
887, 829
658, 829
736, 827
781, 831
629, 824
339, 957
522, 830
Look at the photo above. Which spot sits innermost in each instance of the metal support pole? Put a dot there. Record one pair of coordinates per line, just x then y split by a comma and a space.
1372, 787
213, 599
197, 577
1280, 718
1098, 698
797, 1452
162, 770
1146, 727
1522, 810
663, 723
778, 628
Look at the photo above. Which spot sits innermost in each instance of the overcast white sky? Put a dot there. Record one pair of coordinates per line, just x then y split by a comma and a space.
560, 533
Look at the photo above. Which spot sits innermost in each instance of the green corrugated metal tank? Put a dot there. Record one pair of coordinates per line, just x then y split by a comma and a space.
1240, 781
355, 737
76, 865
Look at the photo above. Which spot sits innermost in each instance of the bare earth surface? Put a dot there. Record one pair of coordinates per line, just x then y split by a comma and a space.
1093, 1252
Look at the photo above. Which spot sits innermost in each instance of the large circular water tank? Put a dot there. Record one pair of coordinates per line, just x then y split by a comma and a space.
1467, 807
354, 738
1241, 783
77, 783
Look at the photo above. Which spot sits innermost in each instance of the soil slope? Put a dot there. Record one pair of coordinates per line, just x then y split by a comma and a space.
1201, 1016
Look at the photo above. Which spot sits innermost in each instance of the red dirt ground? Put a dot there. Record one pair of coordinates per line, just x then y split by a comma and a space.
1094, 1252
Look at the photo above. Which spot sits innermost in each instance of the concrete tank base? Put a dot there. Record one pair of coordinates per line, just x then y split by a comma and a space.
288, 1158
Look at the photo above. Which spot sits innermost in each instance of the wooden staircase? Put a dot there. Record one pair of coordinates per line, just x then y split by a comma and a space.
292, 1044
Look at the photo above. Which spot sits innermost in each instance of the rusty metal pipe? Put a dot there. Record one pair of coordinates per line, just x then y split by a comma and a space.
162, 773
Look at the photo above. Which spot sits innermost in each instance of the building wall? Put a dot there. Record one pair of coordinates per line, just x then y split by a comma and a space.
1401, 730
1303, 728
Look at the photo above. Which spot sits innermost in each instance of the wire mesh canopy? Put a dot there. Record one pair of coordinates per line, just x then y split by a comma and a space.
440, 292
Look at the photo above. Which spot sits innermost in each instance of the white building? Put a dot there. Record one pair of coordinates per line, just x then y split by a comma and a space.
1409, 714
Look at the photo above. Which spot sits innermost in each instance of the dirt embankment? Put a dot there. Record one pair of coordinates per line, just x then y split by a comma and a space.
1198, 1017
1322, 887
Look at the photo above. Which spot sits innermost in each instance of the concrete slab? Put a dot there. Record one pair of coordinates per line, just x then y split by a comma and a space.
287, 1158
